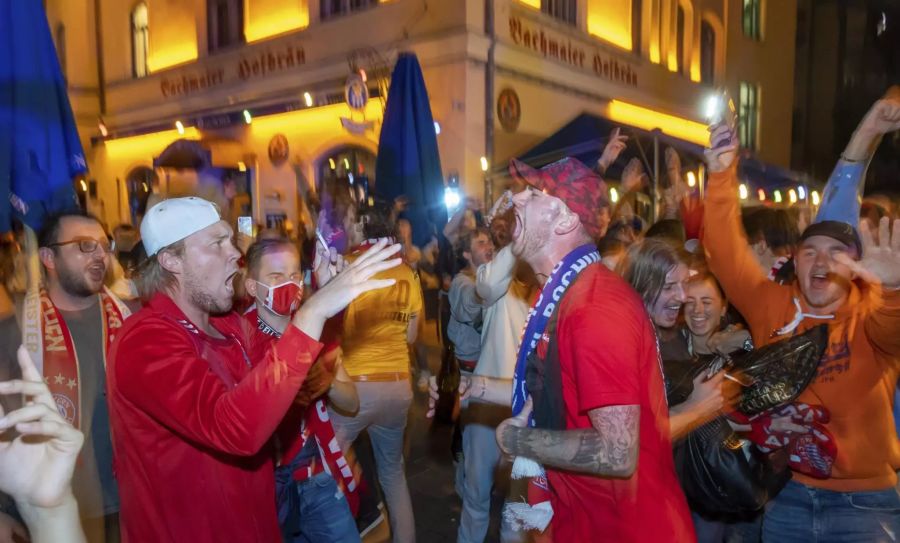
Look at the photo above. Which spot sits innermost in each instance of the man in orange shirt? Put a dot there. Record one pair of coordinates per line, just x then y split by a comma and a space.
851, 282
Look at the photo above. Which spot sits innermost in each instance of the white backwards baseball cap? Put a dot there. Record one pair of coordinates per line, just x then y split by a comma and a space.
173, 220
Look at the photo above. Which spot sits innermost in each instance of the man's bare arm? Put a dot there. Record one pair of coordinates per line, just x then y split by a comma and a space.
609, 449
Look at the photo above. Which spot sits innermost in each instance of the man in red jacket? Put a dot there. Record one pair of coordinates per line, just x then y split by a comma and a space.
196, 393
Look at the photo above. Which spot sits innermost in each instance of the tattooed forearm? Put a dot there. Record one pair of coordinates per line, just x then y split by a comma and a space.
610, 448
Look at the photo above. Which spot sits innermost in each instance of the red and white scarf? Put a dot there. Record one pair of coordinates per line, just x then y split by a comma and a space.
48, 341
317, 424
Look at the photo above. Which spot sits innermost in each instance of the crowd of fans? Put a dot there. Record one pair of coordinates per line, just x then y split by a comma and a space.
722, 374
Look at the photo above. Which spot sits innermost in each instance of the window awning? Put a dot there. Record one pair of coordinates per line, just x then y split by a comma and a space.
585, 136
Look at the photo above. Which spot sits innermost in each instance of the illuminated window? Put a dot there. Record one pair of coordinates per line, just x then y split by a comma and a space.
335, 8
707, 52
225, 23
749, 115
61, 48
679, 47
562, 10
753, 19
140, 40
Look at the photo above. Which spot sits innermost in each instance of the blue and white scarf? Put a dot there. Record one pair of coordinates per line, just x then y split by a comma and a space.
563, 274
536, 516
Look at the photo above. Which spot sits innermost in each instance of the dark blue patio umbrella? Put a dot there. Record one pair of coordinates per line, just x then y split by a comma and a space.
408, 162
40, 152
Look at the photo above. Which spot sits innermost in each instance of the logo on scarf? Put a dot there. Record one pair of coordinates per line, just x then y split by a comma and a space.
66, 407
543, 346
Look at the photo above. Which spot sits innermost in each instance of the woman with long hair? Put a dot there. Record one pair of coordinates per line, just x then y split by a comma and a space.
659, 272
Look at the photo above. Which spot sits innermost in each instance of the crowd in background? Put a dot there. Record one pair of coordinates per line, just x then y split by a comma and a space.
311, 341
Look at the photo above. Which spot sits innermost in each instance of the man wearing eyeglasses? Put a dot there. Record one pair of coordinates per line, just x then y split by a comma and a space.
67, 327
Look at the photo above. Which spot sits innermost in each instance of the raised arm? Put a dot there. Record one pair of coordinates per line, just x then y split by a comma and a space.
728, 254
175, 386
677, 190
614, 147
880, 262
493, 278
37, 461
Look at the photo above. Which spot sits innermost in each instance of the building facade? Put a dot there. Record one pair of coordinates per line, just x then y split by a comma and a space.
848, 54
265, 87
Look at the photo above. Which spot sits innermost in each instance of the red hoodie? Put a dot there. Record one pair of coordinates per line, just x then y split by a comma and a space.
191, 432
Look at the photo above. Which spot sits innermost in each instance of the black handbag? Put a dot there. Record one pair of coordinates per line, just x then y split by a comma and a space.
719, 478
718, 474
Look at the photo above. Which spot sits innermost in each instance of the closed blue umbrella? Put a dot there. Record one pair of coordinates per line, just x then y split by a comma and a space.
408, 162
40, 152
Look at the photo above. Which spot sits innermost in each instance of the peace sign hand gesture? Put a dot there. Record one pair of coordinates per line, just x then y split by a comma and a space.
880, 262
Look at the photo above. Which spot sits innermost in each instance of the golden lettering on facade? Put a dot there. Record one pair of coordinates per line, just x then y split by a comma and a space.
563, 50
268, 62
247, 67
191, 83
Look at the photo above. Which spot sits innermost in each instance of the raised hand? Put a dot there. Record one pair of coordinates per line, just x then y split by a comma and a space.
354, 280
633, 176
503, 204
36, 465
327, 263
614, 147
673, 161
883, 117
723, 148
880, 263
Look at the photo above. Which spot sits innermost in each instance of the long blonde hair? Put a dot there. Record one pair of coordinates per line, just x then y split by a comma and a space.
646, 265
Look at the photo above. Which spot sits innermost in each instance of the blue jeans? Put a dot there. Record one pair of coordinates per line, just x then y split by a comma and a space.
481, 457
730, 531
324, 512
812, 515
382, 411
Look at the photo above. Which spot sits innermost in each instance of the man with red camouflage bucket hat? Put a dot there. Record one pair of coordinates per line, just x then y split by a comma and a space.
589, 365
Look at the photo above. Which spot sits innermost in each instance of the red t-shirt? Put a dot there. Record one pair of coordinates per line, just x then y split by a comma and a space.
608, 356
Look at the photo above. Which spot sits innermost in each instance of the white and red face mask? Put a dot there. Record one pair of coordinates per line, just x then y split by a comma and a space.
283, 299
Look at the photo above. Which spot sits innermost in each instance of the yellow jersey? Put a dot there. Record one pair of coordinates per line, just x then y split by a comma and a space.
376, 323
